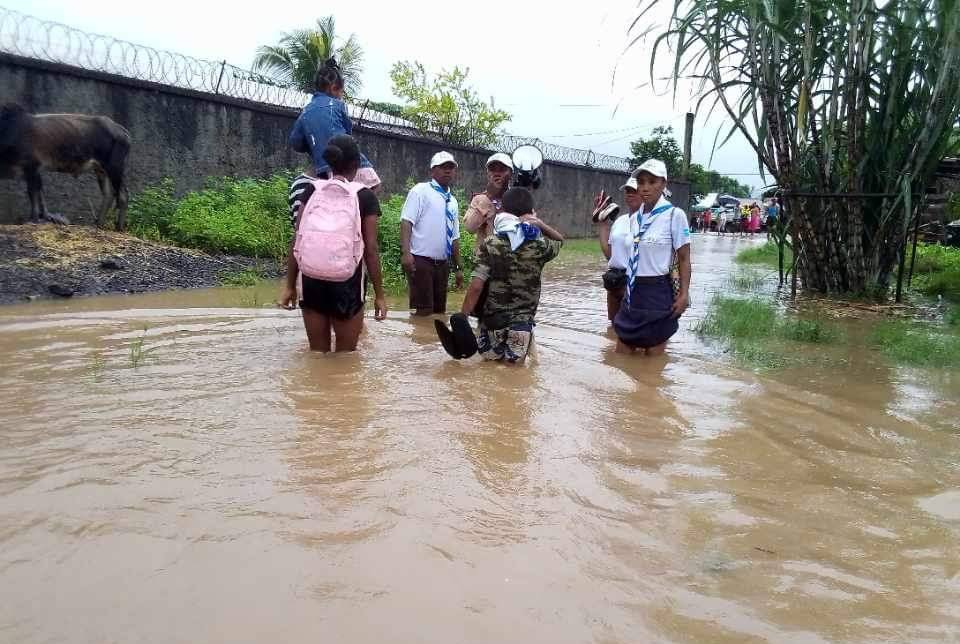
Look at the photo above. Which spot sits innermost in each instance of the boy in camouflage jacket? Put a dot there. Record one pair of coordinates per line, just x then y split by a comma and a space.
506, 278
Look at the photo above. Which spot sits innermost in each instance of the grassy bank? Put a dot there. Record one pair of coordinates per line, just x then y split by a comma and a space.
760, 335
249, 217
766, 255
916, 343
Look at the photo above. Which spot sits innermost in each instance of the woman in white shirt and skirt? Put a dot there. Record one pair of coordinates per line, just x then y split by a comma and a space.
640, 246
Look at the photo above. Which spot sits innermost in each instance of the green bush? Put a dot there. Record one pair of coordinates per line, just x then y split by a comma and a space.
243, 217
238, 216
151, 211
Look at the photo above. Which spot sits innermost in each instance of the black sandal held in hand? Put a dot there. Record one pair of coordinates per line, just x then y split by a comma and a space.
458, 340
606, 210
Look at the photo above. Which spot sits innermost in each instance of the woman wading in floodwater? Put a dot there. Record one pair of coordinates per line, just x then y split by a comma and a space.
640, 247
335, 221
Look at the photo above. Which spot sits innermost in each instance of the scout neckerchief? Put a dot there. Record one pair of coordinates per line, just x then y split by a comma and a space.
451, 216
644, 226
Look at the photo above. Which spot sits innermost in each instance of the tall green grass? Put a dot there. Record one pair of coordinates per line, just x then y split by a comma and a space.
757, 333
937, 271
915, 343
766, 254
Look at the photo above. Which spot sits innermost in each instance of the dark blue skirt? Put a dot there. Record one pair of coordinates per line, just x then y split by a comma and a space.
647, 320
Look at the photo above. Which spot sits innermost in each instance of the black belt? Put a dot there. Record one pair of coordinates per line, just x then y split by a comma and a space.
650, 279
435, 262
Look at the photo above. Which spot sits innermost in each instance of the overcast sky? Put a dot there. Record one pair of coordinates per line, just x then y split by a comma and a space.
561, 73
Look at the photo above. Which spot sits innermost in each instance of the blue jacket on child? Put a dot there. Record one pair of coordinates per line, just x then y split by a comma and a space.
321, 120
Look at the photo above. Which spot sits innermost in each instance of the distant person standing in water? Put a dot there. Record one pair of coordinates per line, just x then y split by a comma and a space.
430, 237
323, 118
773, 213
754, 219
336, 237
484, 207
644, 242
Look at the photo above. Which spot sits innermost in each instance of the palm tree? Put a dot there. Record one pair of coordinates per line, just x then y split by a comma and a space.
294, 61
851, 97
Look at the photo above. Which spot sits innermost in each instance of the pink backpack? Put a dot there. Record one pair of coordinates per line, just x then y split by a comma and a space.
329, 243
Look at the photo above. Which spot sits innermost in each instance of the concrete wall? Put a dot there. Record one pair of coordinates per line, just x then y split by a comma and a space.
189, 136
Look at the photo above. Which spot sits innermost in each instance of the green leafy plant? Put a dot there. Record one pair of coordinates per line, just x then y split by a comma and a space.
445, 106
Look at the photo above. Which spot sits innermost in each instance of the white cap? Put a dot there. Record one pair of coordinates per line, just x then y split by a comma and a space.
653, 167
500, 157
656, 167
440, 158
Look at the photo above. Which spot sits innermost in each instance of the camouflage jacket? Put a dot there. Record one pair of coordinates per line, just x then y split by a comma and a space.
512, 279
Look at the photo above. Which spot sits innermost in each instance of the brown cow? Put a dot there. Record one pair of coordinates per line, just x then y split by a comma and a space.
68, 143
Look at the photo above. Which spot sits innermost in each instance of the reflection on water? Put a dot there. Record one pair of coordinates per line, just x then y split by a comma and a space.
234, 487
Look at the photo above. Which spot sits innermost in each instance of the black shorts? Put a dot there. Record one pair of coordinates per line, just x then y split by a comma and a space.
341, 300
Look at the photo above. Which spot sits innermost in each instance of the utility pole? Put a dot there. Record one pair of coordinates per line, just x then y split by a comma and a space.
687, 144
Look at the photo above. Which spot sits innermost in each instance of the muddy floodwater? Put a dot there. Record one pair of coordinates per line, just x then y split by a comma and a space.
209, 480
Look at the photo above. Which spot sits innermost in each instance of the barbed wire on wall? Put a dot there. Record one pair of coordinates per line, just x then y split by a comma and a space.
29, 37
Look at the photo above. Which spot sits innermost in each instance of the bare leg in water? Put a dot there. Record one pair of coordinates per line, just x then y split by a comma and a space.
319, 328
658, 350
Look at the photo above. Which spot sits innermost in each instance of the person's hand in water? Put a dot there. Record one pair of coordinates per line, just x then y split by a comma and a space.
379, 308
680, 305
288, 299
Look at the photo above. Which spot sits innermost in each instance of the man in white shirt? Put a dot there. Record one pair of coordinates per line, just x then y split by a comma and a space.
430, 237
